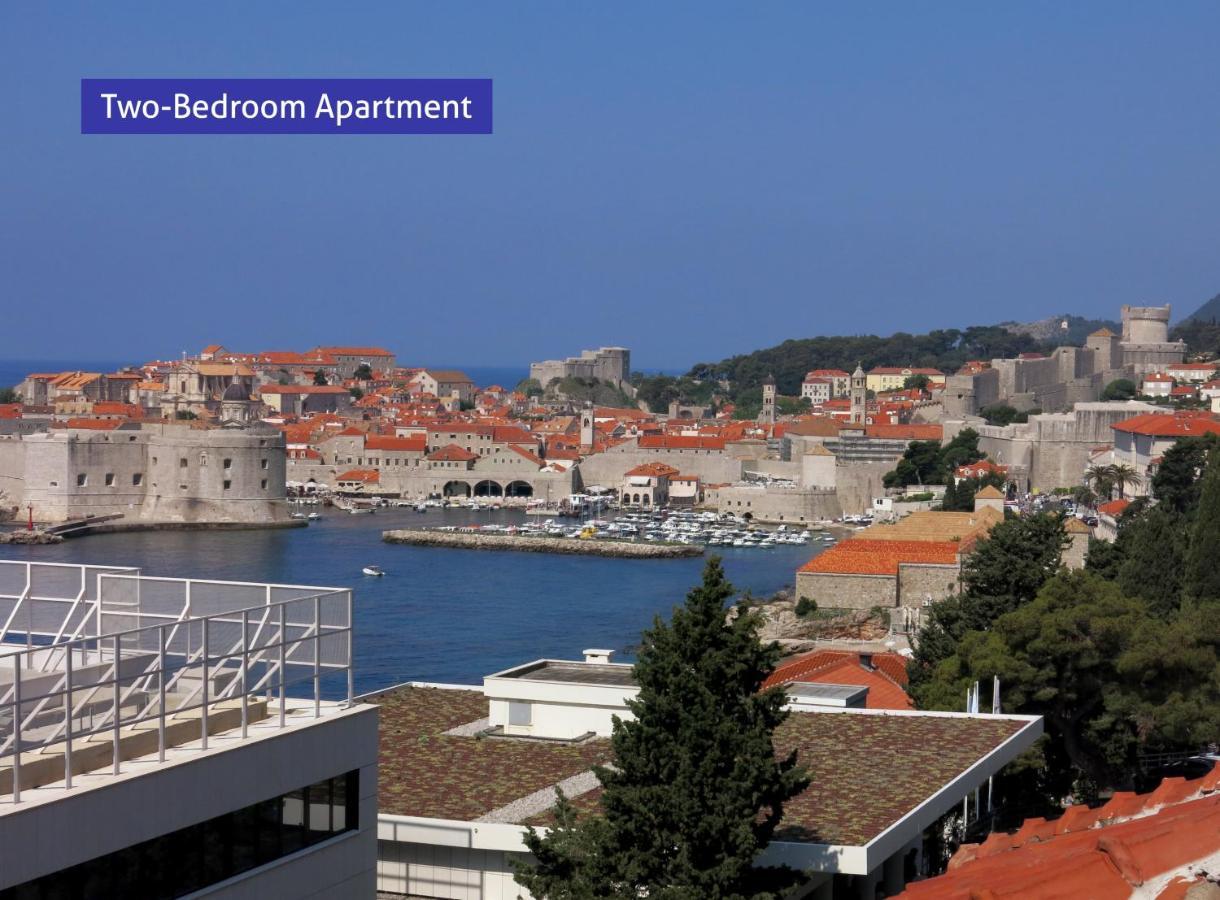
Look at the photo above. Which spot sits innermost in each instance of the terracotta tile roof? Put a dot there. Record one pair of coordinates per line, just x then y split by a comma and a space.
368, 476
901, 370
1114, 508
865, 557
353, 351
1132, 841
680, 442
979, 469
884, 681
905, 432
452, 453
93, 424
652, 470
1175, 425
416, 443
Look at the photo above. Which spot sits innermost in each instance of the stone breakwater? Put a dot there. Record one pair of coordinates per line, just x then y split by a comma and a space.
528, 544
29, 537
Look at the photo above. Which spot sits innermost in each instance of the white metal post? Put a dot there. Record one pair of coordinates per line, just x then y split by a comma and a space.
317, 655
351, 663
68, 722
117, 703
245, 668
283, 655
161, 694
203, 710
17, 727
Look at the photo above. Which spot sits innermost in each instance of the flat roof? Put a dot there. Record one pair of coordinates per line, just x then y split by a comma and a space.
614, 674
819, 691
868, 768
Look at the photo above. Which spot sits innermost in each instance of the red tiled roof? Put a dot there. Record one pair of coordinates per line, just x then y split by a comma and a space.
354, 351
652, 470
532, 457
904, 370
1114, 508
416, 443
1175, 425
884, 682
368, 476
452, 453
868, 557
1132, 841
905, 432
680, 442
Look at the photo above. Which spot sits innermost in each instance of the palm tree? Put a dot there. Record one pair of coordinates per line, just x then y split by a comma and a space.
1102, 480
1084, 496
1122, 475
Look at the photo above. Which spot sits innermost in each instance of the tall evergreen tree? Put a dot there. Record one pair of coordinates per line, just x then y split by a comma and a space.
1201, 577
695, 791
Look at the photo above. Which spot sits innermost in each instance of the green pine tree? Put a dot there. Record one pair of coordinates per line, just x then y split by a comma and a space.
1201, 573
696, 791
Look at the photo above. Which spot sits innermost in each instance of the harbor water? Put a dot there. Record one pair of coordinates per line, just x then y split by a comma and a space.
440, 614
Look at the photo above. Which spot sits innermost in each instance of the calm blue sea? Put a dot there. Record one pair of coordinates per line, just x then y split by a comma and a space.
439, 614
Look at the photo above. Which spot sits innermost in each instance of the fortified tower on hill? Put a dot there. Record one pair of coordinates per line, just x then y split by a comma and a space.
859, 395
1146, 347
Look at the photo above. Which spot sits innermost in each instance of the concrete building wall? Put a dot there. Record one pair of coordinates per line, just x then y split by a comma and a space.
857, 484
454, 873
96, 820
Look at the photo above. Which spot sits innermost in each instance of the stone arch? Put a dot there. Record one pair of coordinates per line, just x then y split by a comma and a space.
488, 488
646, 500
519, 489
456, 489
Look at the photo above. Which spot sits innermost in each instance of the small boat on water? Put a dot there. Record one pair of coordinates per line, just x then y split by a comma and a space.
297, 515
357, 510
314, 516
373, 570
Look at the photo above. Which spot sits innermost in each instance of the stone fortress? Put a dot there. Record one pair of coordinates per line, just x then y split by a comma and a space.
149, 473
1070, 375
611, 364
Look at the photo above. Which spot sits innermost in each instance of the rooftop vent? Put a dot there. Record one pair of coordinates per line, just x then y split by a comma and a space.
866, 660
598, 656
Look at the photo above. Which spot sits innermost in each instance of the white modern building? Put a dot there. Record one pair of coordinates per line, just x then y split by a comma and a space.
165, 737
466, 769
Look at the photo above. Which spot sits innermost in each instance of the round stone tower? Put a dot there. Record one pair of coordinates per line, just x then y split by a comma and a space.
1146, 324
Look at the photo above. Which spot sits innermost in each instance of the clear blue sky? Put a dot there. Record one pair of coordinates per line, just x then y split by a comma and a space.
690, 180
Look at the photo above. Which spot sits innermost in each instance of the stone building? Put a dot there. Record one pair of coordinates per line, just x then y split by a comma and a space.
611, 364
1069, 375
164, 473
1052, 449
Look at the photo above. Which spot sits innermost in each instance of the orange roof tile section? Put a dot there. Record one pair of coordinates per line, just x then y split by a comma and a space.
885, 680
652, 470
864, 557
1107, 852
1193, 424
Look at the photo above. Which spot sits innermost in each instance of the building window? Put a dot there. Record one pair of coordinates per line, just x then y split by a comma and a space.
137, 479
263, 484
520, 712
228, 463
109, 479
82, 479
182, 463
227, 484
264, 465
212, 851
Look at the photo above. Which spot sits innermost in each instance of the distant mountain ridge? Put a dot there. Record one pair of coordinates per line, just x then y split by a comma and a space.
1208, 312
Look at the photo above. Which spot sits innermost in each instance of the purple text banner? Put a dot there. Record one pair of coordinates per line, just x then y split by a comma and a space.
285, 106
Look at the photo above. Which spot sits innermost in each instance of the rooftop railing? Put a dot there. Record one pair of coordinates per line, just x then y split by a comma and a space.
99, 665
